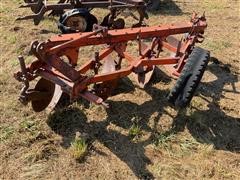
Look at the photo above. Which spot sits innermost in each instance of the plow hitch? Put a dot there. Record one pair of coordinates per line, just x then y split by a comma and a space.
59, 67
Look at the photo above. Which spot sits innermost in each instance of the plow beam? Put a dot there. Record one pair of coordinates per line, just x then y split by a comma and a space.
124, 35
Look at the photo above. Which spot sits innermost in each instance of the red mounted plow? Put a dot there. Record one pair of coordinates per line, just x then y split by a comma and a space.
56, 63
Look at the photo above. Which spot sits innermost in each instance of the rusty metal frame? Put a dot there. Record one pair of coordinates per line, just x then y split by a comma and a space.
75, 82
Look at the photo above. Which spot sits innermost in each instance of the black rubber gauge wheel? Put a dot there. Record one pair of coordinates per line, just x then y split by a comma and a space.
190, 77
77, 23
77, 20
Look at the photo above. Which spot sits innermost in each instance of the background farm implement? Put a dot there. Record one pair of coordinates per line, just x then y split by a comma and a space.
75, 15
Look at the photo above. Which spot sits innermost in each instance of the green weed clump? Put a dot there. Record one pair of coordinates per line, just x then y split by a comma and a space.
164, 139
79, 148
134, 131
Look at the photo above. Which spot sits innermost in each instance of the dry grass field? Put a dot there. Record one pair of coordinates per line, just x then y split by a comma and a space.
140, 136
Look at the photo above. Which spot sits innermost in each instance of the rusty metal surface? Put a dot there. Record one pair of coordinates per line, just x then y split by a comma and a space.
77, 83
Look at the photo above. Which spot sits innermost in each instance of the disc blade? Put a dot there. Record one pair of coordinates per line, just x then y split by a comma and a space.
56, 97
172, 41
54, 93
108, 65
105, 89
143, 78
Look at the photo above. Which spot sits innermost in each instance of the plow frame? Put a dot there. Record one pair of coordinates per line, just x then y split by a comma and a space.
50, 65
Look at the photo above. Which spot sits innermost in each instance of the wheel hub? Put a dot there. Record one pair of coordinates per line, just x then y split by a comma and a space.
77, 23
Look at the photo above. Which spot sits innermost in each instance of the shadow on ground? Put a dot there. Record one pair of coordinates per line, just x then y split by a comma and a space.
71, 120
212, 126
